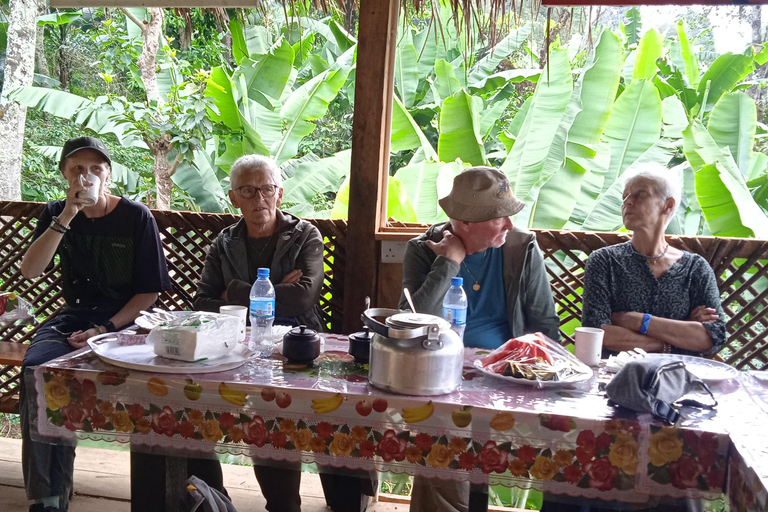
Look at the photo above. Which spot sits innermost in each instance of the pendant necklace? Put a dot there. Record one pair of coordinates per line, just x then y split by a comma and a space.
476, 286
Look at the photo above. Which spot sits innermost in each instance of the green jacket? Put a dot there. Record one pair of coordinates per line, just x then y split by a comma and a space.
299, 245
530, 307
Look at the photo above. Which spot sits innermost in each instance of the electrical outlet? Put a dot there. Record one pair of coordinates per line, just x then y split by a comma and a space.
392, 251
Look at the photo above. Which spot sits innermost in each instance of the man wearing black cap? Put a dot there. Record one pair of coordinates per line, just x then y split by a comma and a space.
505, 280
112, 267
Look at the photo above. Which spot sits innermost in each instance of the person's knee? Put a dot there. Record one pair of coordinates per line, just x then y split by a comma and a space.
42, 351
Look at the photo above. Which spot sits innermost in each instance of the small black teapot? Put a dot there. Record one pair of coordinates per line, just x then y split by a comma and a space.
360, 345
301, 344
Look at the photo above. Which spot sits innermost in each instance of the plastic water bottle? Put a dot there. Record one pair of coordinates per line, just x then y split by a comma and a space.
262, 314
455, 306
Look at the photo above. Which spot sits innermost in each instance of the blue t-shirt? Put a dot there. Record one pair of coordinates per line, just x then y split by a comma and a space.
487, 324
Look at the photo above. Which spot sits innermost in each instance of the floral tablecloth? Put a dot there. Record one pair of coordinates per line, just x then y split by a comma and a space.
562, 440
748, 464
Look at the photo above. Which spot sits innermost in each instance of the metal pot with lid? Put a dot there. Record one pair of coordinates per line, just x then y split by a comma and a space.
413, 353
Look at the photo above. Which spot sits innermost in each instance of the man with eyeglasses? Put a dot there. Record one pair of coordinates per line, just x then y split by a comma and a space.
265, 237
292, 249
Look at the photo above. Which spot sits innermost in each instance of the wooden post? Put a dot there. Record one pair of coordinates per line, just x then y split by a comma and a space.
369, 170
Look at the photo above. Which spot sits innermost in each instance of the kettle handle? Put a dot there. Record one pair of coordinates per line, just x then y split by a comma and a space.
376, 326
431, 331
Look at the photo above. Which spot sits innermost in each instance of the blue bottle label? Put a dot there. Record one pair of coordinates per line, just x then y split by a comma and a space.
262, 307
455, 316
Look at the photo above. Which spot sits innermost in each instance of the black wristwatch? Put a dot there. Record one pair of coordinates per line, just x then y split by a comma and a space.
110, 327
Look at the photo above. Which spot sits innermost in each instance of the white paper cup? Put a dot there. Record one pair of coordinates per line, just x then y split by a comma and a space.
89, 196
238, 311
588, 343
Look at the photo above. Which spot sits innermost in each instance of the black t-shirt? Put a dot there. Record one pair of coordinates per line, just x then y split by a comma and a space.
106, 261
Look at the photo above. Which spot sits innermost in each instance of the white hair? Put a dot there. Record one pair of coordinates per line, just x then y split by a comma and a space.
666, 182
254, 163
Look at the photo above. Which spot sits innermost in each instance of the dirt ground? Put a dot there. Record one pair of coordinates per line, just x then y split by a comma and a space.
9, 426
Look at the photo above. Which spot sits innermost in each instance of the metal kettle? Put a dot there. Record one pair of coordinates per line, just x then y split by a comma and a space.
412, 353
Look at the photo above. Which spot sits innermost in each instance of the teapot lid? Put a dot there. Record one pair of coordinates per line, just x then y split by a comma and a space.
416, 320
301, 331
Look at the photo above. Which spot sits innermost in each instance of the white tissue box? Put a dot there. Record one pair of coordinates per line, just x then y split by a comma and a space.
196, 336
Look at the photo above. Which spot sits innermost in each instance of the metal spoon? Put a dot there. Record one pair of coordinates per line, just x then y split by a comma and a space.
409, 299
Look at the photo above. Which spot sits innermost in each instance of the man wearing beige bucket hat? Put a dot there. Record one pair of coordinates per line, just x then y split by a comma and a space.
504, 277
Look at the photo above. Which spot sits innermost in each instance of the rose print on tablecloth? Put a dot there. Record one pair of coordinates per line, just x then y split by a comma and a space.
684, 459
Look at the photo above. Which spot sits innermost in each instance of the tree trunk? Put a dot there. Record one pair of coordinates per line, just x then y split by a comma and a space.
19, 70
162, 171
65, 59
41, 62
185, 32
147, 60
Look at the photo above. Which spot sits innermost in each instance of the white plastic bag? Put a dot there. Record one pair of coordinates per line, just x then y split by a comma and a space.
197, 336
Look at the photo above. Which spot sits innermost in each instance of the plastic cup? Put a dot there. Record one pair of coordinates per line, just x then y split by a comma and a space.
588, 345
240, 312
89, 196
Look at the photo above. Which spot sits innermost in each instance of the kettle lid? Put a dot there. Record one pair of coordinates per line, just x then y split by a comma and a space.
415, 320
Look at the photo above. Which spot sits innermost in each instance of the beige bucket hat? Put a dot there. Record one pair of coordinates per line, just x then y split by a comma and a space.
480, 194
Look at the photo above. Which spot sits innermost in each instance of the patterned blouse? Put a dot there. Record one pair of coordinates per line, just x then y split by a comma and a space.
619, 279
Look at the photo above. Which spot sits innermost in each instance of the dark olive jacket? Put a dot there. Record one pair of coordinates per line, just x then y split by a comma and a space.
530, 307
299, 246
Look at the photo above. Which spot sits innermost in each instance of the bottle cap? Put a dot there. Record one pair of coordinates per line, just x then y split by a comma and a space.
262, 272
457, 281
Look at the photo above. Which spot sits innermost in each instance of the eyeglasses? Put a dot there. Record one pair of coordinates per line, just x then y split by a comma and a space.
249, 191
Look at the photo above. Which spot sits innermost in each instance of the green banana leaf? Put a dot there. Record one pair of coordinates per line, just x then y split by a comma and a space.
459, 127
674, 118
405, 133
490, 114
503, 79
598, 84
267, 75
727, 71
398, 205
758, 165
426, 182
308, 103
688, 56
344, 40
692, 218
648, 51
420, 182
701, 149
445, 80
199, 180
406, 69
634, 126
585, 117
727, 204
733, 123
425, 42
629, 67
485, 66
95, 115
631, 25
315, 177
239, 47
221, 89
525, 161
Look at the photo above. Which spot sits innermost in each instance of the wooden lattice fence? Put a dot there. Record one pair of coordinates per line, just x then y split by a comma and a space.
741, 266
185, 236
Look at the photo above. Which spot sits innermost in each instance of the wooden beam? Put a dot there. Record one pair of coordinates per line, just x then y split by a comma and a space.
369, 170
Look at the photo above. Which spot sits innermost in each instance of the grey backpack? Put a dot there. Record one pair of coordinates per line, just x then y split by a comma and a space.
656, 386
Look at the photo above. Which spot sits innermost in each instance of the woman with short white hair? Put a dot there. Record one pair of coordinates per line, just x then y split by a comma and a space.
645, 293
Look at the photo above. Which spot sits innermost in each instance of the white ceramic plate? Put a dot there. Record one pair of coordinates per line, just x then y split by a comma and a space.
583, 372
131, 351
705, 369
